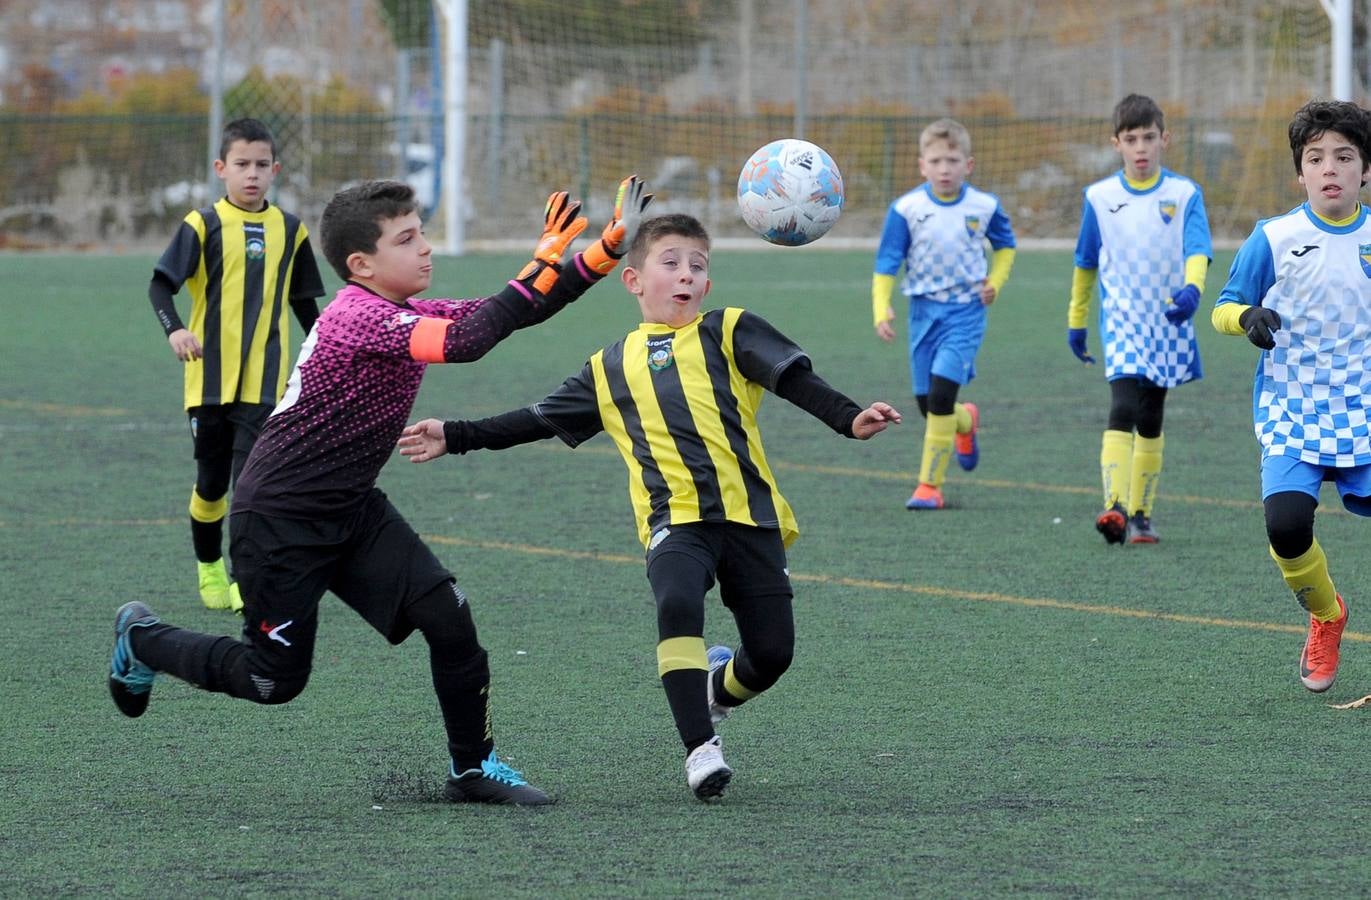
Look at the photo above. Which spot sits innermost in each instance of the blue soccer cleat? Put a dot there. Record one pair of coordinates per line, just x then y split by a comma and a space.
718, 657
1140, 530
493, 782
968, 449
130, 682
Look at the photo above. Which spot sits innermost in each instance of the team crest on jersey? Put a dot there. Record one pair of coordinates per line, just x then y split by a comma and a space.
1364, 251
255, 241
1168, 210
659, 353
973, 224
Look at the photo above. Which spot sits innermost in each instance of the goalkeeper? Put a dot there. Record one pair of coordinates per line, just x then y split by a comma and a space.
679, 396
307, 515
1145, 238
1298, 289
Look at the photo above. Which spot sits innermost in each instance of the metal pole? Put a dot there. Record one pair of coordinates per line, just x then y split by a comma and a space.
454, 122
216, 99
403, 64
1340, 17
801, 66
495, 119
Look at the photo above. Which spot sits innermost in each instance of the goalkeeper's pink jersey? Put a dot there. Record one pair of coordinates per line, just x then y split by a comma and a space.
352, 391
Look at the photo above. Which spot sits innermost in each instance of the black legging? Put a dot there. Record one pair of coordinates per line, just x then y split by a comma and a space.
1290, 523
941, 399
1136, 404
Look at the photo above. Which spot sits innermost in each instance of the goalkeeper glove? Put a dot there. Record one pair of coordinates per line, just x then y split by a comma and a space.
1075, 339
562, 221
618, 235
1259, 323
1183, 304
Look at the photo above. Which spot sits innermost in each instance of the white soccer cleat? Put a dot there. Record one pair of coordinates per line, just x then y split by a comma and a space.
706, 772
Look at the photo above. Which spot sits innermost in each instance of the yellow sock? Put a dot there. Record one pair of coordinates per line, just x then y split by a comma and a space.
963, 416
1116, 465
939, 432
202, 510
1307, 575
1147, 471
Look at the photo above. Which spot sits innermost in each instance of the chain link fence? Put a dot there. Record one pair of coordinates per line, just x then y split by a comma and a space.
104, 106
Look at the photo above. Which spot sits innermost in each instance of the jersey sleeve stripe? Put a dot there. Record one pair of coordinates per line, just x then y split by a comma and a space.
427, 339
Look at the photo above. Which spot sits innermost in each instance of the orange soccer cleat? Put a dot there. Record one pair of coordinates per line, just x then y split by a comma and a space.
1112, 523
926, 496
1319, 661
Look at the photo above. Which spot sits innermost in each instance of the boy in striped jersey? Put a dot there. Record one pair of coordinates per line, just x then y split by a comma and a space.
243, 262
679, 396
1300, 289
1145, 237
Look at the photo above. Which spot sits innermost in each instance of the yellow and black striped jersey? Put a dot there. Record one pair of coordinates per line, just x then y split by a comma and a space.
681, 406
243, 270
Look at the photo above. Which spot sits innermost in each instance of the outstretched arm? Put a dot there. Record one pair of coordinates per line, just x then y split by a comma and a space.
570, 413
432, 438
801, 386
874, 419
462, 331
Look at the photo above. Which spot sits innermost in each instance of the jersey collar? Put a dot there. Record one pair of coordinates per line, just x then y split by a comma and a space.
1152, 186
1323, 224
961, 192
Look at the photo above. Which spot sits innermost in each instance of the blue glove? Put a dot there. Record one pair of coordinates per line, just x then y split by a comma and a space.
1075, 339
1183, 304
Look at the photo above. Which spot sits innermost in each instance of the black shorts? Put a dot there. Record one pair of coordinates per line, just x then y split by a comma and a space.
222, 430
371, 559
746, 561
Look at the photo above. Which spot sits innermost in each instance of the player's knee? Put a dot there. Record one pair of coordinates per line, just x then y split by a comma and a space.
277, 689
771, 659
679, 613
1290, 539
211, 483
1290, 523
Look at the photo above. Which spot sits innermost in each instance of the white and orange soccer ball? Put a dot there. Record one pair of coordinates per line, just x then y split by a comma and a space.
790, 192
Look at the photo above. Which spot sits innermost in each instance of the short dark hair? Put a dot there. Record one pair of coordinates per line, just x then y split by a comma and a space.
250, 130
351, 222
669, 225
1137, 111
1319, 116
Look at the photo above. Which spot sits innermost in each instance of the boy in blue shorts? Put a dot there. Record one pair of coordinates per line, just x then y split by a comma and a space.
938, 232
1299, 289
1145, 237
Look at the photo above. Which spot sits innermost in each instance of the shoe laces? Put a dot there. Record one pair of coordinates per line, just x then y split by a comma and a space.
492, 768
1321, 640
134, 675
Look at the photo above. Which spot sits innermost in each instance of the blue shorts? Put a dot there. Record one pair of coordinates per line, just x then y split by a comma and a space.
1290, 473
943, 340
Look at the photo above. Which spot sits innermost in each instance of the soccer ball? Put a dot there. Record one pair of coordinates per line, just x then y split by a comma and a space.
790, 192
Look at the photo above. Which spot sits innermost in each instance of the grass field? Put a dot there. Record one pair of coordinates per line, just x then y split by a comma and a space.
984, 700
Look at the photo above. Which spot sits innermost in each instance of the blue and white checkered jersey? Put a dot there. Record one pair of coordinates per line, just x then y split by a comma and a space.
1139, 241
941, 243
1312, 390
